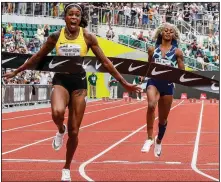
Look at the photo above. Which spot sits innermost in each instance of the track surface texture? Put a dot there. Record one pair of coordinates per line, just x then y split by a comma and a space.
111, 137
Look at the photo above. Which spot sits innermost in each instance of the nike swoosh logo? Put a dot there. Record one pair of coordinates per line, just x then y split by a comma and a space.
9, 59
51, 65
213, 77
97, 65
55, 147
117, 64
170, 83
85, 65
154, 72
182, 79
213, 87
83, 78
134, 68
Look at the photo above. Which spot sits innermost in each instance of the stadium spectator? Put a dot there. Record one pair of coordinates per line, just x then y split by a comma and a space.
110, 34
127, 13
120, 14
113, 84
179, 15
43, 78
133, 15
138, 81
92, 79
186, 15
46, 31
9, 8
194, 47
139, 16
116, 15
40, 33
61, 9
216, 23
145, 14
34, 45
22, 7
211, 23
141, 37
9, 28
55, 9
188, 51
216, 60
169, 15
134, 35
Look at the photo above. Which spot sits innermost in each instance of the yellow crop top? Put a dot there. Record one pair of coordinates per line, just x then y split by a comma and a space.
66, 47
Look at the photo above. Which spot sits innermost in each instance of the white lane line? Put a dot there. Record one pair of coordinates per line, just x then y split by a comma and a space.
216, 164
100, 162
107, 170
116, 116
30, 108
50, 112
82, 166
26, 116
209, 164
28, 145
194, 132
196, 147
34, 160
12, 129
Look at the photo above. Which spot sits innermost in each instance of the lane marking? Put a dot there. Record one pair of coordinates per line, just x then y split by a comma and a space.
100, 162
82, 166
116, 116
30, 108
196, 148
106, 170
12, 129
30, 115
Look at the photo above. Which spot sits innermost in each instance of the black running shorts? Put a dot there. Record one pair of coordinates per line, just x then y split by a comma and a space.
71, 82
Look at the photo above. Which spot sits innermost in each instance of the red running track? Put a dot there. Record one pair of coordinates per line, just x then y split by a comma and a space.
110, 141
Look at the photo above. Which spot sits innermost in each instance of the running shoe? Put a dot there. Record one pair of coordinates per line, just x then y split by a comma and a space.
157, 148
66, 175
58, 139
146, 147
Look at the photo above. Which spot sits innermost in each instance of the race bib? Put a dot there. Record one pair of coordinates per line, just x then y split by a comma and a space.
163, 61
69, 50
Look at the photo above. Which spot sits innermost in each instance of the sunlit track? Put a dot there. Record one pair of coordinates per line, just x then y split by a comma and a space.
12, 129
31, 115
85, 126
23, 159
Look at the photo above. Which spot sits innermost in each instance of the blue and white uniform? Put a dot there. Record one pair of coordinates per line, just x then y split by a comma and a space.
163, 86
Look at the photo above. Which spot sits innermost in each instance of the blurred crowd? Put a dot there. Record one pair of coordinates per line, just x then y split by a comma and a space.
29, 77
13, 40
128, 14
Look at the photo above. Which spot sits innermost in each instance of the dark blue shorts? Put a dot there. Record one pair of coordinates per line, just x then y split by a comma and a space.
145, 20
164, 87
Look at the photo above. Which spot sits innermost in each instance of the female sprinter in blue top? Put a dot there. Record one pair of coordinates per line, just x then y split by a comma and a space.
160, 92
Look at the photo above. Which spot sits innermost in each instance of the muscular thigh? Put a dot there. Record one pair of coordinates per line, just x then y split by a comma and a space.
77, 107
59, 98
153, 94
